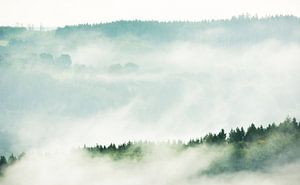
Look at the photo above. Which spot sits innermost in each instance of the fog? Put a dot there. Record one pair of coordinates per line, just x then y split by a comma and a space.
60, 90
183, 90
160, 166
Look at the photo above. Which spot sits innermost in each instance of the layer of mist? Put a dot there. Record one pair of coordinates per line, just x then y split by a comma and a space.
143, 80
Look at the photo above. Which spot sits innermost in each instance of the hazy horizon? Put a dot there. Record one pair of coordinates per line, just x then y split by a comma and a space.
56, 13
44, 27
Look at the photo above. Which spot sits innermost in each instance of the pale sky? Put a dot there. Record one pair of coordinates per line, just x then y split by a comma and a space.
61, 12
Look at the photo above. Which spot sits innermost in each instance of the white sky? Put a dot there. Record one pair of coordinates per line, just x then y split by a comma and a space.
62, 12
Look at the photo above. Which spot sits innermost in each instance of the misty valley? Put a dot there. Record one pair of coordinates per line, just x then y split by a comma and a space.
151, 102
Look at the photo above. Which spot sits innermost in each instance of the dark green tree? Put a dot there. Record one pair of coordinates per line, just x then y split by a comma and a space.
12, 159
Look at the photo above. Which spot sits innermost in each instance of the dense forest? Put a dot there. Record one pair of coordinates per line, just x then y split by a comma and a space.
254, 148
233, 30
243, 28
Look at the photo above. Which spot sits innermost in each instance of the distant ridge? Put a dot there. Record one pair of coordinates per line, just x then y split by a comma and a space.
241, 28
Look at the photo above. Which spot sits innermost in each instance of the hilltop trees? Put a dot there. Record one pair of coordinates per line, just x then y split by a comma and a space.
237, 137
219, 138
251, 149
156, 31
5, 162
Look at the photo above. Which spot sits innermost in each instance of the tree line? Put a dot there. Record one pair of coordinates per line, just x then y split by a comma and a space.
242, 156
251, 148
238, 28
237, 137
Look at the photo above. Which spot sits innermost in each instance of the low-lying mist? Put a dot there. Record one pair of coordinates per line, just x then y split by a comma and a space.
178, 92
161, 165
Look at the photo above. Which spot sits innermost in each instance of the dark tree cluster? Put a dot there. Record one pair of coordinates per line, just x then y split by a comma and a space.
251, 134
125, 150
5, 162
237, 137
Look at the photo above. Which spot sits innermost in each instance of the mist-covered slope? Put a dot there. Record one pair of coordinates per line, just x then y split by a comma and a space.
250, 149
248, 155
131, 80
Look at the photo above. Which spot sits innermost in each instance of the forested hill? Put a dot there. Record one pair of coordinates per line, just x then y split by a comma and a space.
6, 31
236, 29
254, 148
